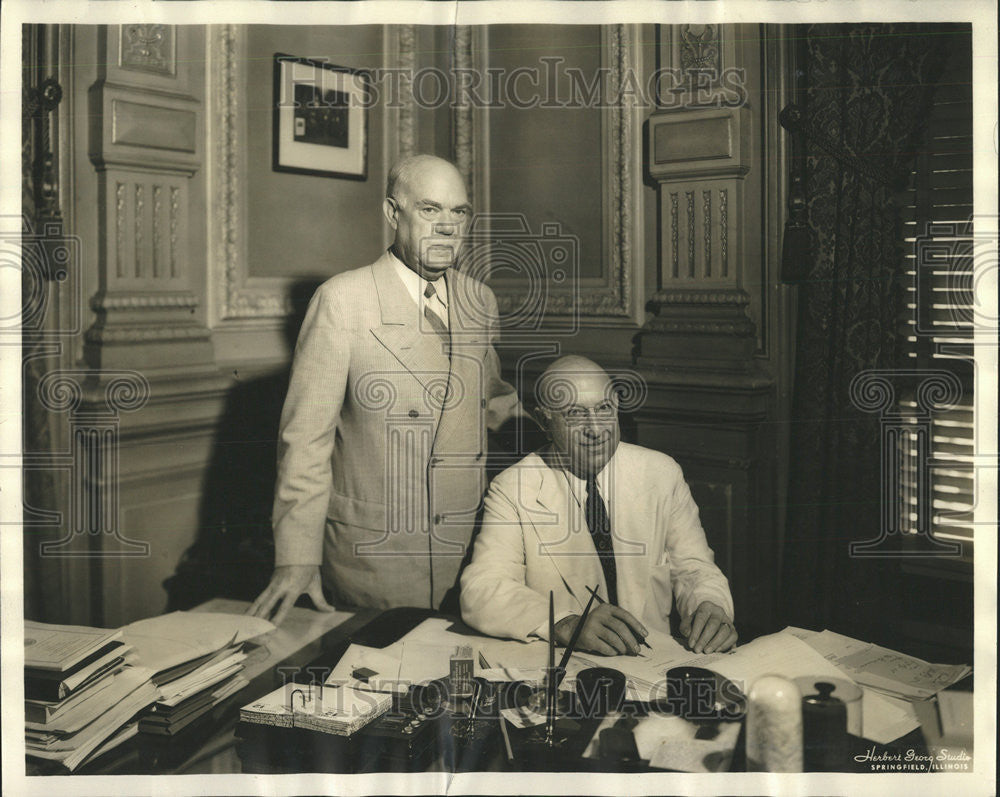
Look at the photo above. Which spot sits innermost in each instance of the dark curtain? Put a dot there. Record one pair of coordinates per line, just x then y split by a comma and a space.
42, 587
867, 90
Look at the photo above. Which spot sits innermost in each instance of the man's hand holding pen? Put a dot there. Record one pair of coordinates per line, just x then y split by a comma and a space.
608, 630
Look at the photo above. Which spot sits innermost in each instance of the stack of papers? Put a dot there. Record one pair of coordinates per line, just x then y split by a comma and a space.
892, 683
86, 689
887, 671
338, 710
82, 691
196, 659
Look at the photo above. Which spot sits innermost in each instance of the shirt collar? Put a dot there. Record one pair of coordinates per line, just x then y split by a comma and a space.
415, 284
578, 486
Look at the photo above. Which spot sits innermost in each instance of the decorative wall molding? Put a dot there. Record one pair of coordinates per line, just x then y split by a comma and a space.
699, 143
405, 53
145, 333
700, 47
617, 299
144, 141
148, 48
144, 125
238, 297
695, 223
138, 300
700, 54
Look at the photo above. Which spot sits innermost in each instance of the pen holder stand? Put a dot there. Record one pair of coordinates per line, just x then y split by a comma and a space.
599, 691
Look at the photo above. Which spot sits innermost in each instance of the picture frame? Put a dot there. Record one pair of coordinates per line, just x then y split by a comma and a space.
320, 119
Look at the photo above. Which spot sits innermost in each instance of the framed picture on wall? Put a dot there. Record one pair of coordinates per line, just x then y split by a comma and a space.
320, 119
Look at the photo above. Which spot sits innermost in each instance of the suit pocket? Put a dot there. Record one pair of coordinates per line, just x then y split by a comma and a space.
356, 511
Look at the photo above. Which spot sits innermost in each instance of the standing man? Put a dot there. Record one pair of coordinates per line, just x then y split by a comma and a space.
382, 442
589, 509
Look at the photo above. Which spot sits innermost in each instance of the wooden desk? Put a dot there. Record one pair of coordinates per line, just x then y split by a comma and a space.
209, 745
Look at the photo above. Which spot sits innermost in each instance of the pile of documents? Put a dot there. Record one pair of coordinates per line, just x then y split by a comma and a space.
196, 660
82, 691
87, 690
339, 710
887, 671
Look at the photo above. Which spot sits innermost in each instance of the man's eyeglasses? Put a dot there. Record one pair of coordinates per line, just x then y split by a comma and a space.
605, 411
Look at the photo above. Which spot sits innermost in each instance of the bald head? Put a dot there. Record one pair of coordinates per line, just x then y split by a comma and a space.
571, 379
579, 410
408, 171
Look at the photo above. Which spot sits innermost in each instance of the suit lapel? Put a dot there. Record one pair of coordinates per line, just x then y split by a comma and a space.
569, 549
417, 350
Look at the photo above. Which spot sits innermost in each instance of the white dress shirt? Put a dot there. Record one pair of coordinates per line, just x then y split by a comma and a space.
416, 285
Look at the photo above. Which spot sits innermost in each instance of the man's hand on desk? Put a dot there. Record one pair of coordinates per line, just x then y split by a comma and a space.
609, 631
709, 629
287, 583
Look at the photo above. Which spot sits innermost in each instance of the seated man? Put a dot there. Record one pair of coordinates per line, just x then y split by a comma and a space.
589, 510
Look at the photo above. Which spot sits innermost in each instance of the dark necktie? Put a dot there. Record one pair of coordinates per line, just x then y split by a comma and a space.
435, 321
600, 530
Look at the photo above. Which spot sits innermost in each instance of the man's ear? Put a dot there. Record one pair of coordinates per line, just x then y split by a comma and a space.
391, 210
544, 419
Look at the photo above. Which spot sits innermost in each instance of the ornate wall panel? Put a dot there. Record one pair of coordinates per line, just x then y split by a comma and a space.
615, 298
144, 141
240, 299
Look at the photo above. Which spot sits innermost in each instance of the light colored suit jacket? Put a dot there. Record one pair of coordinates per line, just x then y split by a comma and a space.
535, 539
382, 442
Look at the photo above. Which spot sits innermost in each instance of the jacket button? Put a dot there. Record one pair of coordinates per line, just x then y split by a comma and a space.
413, 414
437, 520
436, 460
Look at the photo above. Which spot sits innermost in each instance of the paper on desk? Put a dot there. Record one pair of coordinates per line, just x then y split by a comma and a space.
191, 684
384, 668
432, 640
883, 718
881, 668
300, 627
670, 742
172, 639
775, 654
645, 674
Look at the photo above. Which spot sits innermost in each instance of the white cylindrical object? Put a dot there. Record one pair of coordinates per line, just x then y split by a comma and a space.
774, 726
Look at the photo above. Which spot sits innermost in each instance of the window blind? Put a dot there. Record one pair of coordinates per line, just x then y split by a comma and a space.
937, 217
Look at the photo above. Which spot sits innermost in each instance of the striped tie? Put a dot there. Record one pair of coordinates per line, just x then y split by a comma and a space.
435, 320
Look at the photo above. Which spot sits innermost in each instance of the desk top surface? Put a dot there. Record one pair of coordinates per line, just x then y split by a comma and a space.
305, 639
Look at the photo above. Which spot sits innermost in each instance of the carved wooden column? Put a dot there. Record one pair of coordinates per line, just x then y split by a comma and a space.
698, 154
709, 395
145, 141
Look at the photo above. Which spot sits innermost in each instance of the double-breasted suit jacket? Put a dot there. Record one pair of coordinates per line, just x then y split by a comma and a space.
382, 442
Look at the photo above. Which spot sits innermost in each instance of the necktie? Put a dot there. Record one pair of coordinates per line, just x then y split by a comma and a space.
600, 530
434, 319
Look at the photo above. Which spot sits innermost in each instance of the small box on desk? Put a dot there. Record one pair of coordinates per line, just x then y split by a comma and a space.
402, 739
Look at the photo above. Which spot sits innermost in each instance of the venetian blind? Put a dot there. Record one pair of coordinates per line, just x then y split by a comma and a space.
939, 312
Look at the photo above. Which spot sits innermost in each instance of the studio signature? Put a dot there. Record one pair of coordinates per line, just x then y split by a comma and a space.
911, 756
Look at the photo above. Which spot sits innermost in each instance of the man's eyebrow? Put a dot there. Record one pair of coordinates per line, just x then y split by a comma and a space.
430, 202
463, 206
